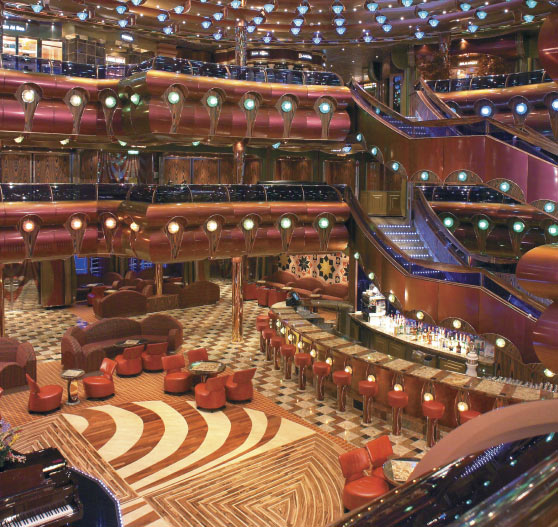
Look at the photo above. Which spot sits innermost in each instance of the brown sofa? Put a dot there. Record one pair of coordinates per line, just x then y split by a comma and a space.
280, 279
85, 348
123, 303
306, 286
335, 292
199, 293
16, 360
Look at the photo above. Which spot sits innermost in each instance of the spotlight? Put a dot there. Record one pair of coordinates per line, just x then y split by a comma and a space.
121, 9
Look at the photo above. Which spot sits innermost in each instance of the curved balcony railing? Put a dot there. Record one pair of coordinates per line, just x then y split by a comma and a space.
489, 82
531, 143
438, 271
183, 66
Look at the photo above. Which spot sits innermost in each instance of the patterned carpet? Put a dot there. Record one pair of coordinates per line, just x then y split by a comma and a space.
135, 440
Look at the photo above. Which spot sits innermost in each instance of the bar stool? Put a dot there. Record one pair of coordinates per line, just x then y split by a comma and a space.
397, 399
267, 335
288, 352
276, 342
342, 379
321, 371
272, 318
432, 410
302, 361
261, 326
464, 412
368, 389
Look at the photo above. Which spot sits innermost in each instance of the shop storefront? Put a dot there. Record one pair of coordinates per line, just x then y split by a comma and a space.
32, 39
288, 59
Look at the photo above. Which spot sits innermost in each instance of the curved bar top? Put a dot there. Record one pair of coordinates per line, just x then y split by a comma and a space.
363, 361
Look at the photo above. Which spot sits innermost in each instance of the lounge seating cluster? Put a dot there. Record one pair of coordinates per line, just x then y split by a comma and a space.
85, 348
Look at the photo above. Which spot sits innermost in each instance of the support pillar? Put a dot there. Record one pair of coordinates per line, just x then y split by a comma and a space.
159, 279
237, 304
241, 44
239, 162
2, 325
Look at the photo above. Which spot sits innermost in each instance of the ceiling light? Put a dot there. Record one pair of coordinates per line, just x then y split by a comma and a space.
19, 139
123, 22
371, 6
347, 149
303, 8
472, 27
121, 9
433, 21
206, 23
298, 21
531, 3
212, 101
419, 34
422, 13
38, 7
179, 9
528, 18
269, 6
367, 37
340, 30
250, 27
218, 35
133, 152
406, 3
317, 38
381, 18
218, 15
339, 21
295, 30
480, 14
163, 16
337, 7
258, 19
386, 28
267, 38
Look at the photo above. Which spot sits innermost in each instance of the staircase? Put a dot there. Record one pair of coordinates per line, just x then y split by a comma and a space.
407, 239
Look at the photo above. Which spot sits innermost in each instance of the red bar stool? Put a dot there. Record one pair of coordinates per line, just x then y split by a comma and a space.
432, 410
288, 352
397, 399
368, 389
464, 412
262, 325
342, 379
272, 318
276, 342
302, 361
321, 371
267, 335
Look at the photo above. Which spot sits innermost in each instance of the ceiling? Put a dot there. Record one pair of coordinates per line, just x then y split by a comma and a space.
326, 23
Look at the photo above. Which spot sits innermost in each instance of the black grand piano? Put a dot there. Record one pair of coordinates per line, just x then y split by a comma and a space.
41, 491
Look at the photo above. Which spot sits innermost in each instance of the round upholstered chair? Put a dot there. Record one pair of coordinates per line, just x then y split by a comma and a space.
176, 381
43, 399
101, 386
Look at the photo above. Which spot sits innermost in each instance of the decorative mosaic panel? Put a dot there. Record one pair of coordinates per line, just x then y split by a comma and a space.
333, 268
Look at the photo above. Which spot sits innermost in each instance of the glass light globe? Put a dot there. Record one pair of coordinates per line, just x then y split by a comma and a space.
28, 226
173, 227
428, 397
286, 106
248, 224
313, 353
391, 298
286, 223
462, 176
325, 107
553, 230
348, 369
448, 222
374, 151
500, 342
420, 315
462, 406
76, 224
554, 105
486, 110
110, 101
398, 387
504, 186
76, 100
212, 101
173, 97
249, 104
134, 226
549, 207
371, 378
371, 276
424, 176
521, 108
211, 225
518, 226
28, 96
323, 223
329, 361
135, 98
395, 166
110, 223
483, 225
456, 324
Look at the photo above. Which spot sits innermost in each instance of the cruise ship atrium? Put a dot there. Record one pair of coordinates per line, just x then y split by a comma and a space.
288, 263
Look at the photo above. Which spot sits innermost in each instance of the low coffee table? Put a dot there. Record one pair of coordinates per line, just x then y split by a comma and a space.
398, 469
130, 343
71, 376
109, 291
206, 368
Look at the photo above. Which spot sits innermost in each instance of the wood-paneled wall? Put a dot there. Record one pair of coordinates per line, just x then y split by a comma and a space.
16, 168
52, 168
340, 172
293, 169
88, 166
208, 170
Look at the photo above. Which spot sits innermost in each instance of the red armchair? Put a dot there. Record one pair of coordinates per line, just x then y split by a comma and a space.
152, 356
102, 386
197, 355
176, 380
129, 363
96, 292
379, 451
250, 291
211, 395
359, 488
45, 399
239, 386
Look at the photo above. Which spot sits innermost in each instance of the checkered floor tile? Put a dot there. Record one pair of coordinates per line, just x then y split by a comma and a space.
210, 327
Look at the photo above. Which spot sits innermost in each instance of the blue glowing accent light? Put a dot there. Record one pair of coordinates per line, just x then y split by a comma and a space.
340, 30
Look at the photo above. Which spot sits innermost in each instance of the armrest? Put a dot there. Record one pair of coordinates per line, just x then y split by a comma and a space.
318, 291
174, 339
289, 284
25, 353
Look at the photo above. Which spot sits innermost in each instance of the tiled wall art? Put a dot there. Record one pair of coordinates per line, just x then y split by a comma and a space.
333, 268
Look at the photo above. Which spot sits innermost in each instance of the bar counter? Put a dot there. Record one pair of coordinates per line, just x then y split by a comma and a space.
402, 346
484, 394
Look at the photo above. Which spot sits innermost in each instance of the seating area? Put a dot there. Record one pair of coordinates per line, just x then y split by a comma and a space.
270, 291
85, 348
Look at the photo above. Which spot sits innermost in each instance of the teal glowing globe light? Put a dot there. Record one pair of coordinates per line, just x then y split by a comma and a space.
286, 106
424, 176
286, 223
462, 176
395, 166
504, 186
448, 222
135, 98
249, 104
212, 101
549, 207
173, 97
518, 226
483, 224
110, 101
323, 223
374, 151
325, 107
553, 230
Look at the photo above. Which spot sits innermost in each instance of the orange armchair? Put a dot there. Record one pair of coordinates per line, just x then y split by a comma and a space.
197, 355
239, 386
379, 450
359, 488
45, 399
211, 395
176, 380
102, 386
152, 356
128, 363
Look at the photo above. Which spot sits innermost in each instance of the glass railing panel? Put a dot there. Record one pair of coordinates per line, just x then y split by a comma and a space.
498, 290
488, 82
112, 191
26, 192
460, 84
320, 193
443, 86
284, 192
209, 193
219, 71
142, 193
247, 193
172, 194
74, 192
